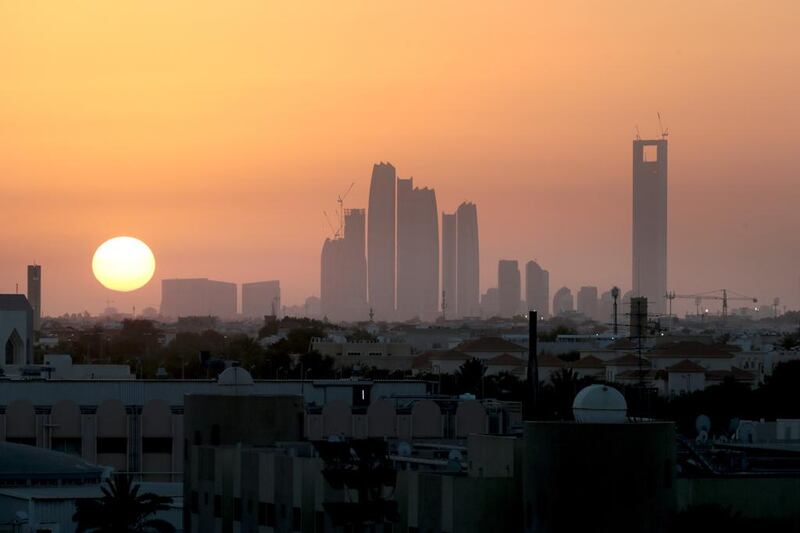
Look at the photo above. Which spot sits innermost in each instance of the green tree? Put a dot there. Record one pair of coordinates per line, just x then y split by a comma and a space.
122, 510
469, 376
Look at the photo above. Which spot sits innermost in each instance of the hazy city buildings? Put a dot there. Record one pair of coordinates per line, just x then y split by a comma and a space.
468, 268
381, 240
343, 272
449, 263
261, 298
537, 289
587, 302
417, 252
490, 303
508, 288
650, 222
198, 297
35, 294
563, 302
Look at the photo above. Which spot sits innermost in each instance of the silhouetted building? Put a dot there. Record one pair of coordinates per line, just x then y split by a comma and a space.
35, 294
490, 303
508, 288
343, 273
197, 297
449, 262
261, 298
417, 252
468, 268
605, 307
381, 240
587, 302
563, 302
16, 330
650, 221
537, 289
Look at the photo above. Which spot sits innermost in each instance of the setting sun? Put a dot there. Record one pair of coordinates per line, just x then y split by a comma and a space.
123, 264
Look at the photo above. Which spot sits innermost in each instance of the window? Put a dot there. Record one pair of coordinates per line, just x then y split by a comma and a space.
71, 446
194, 502
112, 445
30, 441
215, 435
157, 445
361, 396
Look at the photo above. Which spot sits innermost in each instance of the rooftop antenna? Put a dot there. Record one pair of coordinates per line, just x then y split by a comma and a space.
638, 136
664, 132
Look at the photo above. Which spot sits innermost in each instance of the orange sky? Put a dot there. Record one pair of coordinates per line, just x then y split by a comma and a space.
219, 134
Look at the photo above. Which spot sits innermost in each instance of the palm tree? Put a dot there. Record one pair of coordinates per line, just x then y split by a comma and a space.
470, 375
122, 510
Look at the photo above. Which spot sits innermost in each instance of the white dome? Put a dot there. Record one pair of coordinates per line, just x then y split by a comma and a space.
235, 375
600, 404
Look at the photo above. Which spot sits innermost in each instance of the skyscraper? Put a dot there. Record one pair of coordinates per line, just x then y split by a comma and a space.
343, 283
563, 302
468, 268
537, 289
650, 221
449, 262
417, 252
381, 240
35, 294
261, 298
587, 302
508, 287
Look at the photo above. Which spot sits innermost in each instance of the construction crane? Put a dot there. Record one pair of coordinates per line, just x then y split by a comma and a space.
712, 295
664, 132
340, 201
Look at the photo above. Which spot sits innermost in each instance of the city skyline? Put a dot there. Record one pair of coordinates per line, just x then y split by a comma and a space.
223, 161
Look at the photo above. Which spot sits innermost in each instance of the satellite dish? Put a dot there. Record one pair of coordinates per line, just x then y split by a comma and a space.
404, 449
746, 433
702, 423
454, 455
454, 461
734, 425
702, 437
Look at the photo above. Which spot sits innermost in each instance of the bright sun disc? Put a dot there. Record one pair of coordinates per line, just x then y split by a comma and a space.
123, 264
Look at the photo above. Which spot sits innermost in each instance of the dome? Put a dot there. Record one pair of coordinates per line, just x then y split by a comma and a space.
235, 375
21, 464
600, 404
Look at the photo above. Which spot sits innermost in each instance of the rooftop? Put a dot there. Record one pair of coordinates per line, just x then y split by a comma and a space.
490, 344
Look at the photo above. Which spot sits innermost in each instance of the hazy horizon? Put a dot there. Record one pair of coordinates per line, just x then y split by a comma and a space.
219, 136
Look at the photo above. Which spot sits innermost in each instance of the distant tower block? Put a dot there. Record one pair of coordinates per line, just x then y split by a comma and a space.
35, 294
650, 221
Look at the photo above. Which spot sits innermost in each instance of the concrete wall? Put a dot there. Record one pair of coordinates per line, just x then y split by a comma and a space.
598, 477
752, 497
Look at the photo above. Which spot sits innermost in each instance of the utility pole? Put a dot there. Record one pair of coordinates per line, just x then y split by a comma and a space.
615, 296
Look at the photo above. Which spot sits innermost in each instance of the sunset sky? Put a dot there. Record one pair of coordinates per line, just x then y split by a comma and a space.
218, 132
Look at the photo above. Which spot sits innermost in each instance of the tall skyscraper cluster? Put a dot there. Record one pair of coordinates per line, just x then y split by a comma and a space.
343, 289
398, 278
508, 300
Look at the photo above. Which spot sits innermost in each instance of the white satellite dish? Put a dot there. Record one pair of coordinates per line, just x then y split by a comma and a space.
702, 437
746, 432
702, 423
404, 449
